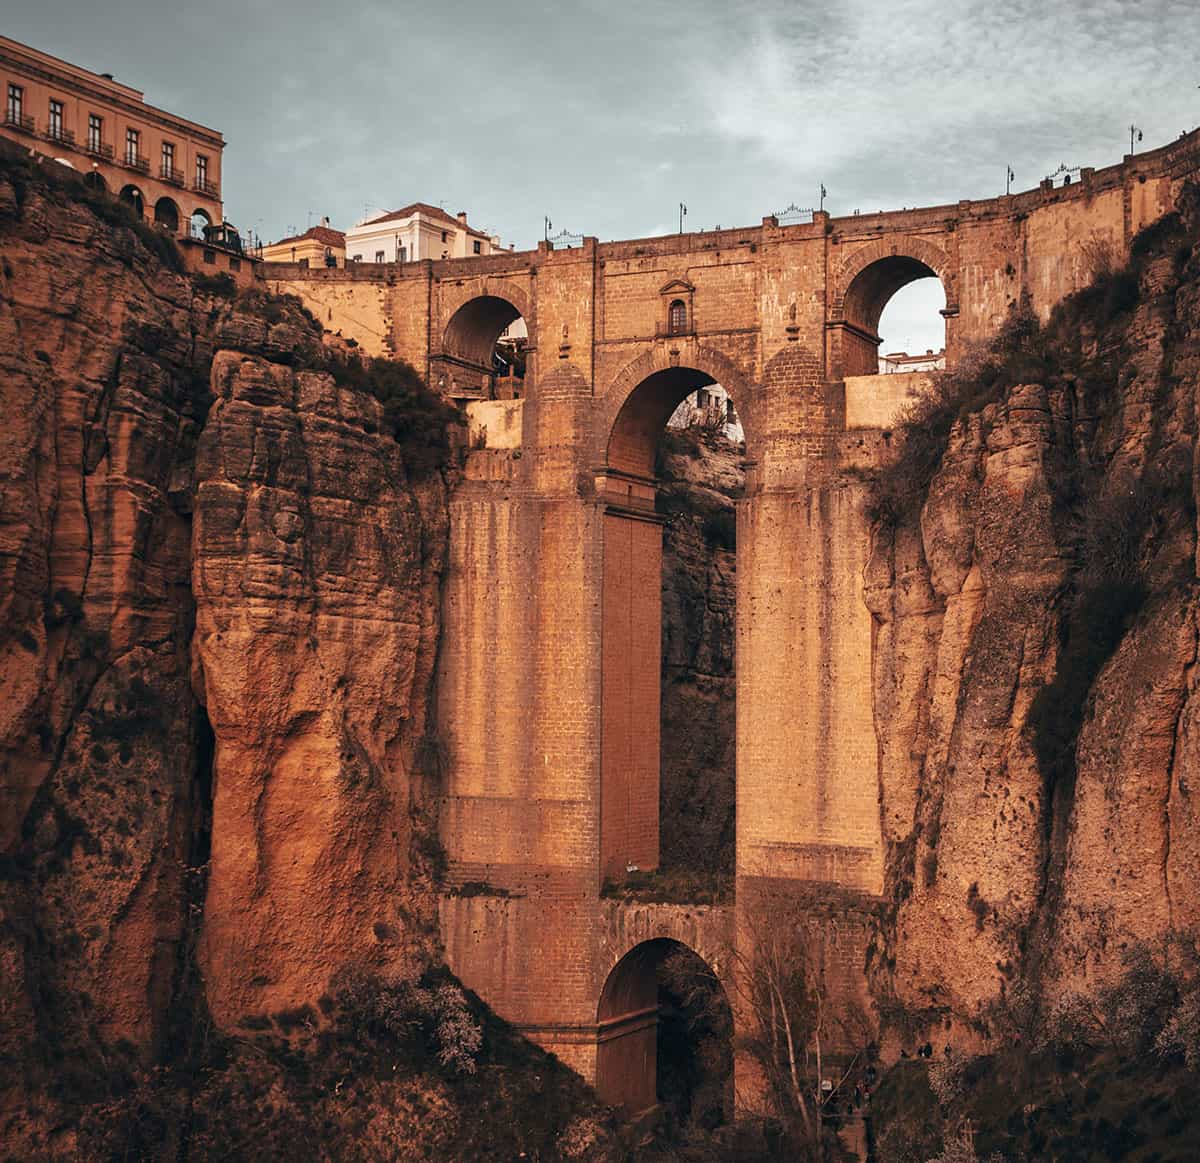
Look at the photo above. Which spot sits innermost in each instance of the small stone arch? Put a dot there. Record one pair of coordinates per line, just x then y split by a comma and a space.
132, 197
865, 283
518, 297
920, 250
95, 180
197, 221
166, 214
628, 1016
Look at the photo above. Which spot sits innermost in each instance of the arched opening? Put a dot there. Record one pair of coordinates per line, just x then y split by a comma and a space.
166, 215
132, 196
197, 223
95, 181
665, 1036
873, 290
912, 328
671, 484
483, 351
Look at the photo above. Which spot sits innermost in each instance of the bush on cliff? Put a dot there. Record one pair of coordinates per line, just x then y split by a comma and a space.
418, 419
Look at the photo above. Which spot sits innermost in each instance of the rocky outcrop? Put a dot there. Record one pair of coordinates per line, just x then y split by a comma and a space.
315, 570
218, 621
1035, 658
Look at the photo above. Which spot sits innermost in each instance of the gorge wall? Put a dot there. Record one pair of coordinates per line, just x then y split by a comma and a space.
1035, 681
218, 623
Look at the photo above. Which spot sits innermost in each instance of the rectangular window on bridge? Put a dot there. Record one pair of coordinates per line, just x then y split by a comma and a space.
16, 105
56, 119
132, 141
379, 256
478, 246
95, 132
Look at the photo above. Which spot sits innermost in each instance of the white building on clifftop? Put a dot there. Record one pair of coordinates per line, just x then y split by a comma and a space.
416, 232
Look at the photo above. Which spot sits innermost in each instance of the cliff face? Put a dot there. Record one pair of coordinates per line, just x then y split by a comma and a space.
218, 618
315, 570
1035, 661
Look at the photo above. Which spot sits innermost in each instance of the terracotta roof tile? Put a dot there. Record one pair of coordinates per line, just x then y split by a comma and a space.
322, 234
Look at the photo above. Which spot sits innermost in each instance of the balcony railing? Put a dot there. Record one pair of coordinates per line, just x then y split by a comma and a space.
19, 121
99, 148
169, 173
60, 134
204, 186
136, 162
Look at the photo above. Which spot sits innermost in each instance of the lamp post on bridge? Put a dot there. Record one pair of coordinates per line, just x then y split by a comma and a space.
1132, 130
682, 215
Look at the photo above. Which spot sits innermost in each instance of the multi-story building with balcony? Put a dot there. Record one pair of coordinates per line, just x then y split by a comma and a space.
166, 167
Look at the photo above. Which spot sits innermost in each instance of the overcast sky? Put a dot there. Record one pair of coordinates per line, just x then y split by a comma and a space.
605, 116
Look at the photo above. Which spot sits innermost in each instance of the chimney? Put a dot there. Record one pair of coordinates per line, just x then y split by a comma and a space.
107, 76
325, 221
462, 217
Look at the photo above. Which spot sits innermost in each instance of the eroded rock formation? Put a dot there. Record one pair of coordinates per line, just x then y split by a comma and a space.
1035, 664
218, 613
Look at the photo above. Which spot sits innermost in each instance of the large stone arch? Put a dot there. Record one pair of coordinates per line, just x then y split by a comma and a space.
683, 353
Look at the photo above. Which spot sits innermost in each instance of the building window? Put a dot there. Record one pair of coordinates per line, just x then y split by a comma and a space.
132, 141
379, 256
677, 317
356, 258
210, 256
95, 132
55, 128
168, 159
402, 254
235, 264
445, 236
477, 246
201, 172
16, 105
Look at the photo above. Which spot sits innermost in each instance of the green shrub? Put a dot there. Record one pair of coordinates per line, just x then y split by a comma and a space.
418, 419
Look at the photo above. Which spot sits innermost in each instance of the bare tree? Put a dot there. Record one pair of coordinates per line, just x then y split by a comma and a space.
797, 1030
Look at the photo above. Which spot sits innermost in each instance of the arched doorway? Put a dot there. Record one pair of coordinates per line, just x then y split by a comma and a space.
166, 214
132, 197
667, 640
483, 351
95, 181
665, 1035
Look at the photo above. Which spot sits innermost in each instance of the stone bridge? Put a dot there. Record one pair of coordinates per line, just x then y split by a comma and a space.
549, 675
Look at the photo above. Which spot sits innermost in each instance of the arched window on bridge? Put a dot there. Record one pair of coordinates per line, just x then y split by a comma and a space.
673, 476
677, 318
